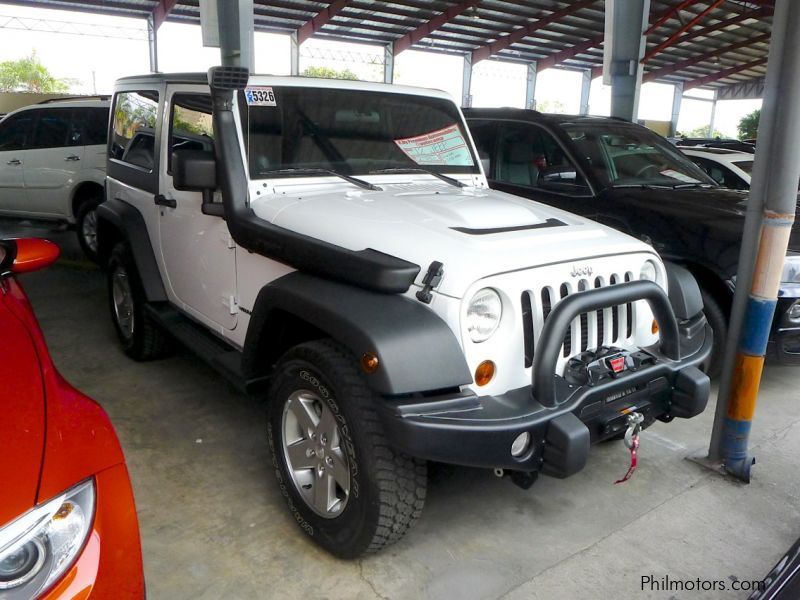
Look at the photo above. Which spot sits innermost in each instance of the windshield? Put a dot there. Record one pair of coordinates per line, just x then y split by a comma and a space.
745, 165
352, 132
622, 155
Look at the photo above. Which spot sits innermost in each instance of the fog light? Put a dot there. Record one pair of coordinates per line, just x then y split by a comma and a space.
484, 372
654, 327
521, 444
794, 312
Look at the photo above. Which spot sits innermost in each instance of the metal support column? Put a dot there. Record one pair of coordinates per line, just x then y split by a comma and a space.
624, 48
530, 87
586, 88
152, 43
466, 82
770, 214
713, 118
677, 97
236, 30
294, 54
388, 63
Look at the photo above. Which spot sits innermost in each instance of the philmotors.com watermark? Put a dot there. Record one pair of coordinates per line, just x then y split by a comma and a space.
665, 583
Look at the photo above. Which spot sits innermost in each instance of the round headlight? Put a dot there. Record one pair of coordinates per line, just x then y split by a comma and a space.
649, 272
483, 315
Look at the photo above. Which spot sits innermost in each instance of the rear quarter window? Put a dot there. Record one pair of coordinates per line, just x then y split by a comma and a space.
95, 126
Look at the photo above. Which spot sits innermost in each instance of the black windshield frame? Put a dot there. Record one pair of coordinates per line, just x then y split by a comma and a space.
350, 131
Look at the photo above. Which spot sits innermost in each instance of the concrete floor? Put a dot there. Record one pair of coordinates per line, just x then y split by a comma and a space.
214, 525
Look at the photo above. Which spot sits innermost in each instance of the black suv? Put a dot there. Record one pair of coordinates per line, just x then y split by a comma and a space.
627, 177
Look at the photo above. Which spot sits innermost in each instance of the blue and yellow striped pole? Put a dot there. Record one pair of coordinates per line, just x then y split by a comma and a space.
775, 230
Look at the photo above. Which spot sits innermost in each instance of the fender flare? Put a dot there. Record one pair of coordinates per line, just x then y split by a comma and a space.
131, 226
417, 351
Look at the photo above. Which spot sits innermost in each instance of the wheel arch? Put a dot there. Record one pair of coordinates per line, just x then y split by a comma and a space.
83, 191
712, 283
416, 349
118, 222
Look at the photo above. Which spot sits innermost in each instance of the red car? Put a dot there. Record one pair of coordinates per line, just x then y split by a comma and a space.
68, 525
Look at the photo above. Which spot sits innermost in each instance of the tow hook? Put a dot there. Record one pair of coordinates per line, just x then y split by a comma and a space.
523, 479
634, 421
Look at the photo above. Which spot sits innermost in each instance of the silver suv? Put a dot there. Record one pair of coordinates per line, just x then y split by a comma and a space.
52, 164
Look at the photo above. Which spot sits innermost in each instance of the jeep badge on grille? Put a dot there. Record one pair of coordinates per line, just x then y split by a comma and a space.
577, 271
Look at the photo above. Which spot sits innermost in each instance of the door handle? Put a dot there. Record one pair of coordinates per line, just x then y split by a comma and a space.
162, 200
14, 161
73, 157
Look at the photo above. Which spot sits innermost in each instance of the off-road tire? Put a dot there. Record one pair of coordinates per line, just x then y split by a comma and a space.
387, 491
86, 209
147, 341
719, 325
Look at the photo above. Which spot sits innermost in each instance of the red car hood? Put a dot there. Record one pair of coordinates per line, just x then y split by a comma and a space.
22, 406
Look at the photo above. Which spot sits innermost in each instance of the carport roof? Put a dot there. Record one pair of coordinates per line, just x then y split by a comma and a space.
701, 43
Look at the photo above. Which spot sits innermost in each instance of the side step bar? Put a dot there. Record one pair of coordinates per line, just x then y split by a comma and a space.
212, 350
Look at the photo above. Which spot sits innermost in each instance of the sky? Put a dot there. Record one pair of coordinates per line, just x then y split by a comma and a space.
93, 63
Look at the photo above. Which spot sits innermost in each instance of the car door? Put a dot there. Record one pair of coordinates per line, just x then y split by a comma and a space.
15, 134
530, 162
197, 250
52, 162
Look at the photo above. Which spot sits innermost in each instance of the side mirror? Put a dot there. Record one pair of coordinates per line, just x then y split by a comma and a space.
194, 170
26, 254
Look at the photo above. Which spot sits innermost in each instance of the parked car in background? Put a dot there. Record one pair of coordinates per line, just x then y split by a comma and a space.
724, 143
628, 177
52, 164
729, 168
68, 526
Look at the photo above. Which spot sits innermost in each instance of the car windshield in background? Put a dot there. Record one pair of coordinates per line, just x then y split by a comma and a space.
624, 156
351, 132
745, 165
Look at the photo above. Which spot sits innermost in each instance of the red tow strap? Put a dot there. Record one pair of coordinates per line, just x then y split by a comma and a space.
632, 468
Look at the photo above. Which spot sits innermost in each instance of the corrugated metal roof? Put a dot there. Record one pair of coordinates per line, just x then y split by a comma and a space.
726, 43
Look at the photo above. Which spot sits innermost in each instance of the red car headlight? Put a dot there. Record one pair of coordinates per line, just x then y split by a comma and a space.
38, 547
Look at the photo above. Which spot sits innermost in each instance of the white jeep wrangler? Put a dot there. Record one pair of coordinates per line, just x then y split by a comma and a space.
334, 246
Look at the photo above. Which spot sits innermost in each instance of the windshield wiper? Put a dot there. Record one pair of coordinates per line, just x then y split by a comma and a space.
354, 180
642, 186
444, 178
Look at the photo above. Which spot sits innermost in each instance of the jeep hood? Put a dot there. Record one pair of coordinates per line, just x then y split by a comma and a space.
474, 232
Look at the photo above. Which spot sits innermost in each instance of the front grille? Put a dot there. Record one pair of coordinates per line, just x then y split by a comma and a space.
606, 327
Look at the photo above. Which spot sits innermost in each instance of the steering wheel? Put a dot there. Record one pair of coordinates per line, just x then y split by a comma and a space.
643, 171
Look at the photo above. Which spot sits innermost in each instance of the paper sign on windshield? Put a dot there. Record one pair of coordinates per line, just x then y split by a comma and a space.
443, 147
678, 175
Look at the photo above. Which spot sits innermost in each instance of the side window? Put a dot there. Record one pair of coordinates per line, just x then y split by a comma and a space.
16, 131
710, 168
95, 125
529, 156
733, 181
190, 124
53, 129
133, 132
484, 133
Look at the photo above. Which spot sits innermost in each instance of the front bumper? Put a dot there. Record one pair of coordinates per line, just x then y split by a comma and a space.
563, 419
110, 564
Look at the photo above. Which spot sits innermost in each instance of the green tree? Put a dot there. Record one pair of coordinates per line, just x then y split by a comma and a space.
29, 75
551, 106
328, 73
748, 125
702, 132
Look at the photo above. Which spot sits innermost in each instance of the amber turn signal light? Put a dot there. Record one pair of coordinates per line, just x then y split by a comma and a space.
369, 362
654, 326
484, 372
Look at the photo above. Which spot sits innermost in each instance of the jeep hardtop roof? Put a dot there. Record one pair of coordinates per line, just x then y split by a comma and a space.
293, 81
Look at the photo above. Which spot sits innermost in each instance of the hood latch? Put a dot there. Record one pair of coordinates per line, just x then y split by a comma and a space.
432, 278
